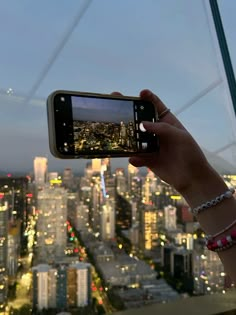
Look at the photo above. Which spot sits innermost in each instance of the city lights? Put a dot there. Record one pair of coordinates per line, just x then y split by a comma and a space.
111, 229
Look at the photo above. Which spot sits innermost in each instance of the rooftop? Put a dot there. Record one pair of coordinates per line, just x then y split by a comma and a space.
215, 304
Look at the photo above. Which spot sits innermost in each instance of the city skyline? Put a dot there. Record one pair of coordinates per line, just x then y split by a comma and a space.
110, 240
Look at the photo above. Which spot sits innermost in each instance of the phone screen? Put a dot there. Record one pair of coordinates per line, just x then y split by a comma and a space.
102, 126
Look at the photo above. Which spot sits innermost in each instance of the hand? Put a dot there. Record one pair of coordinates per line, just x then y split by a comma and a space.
180, 161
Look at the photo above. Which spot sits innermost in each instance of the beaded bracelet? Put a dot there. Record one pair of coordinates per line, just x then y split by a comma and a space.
223, 243
211, 237
228, 194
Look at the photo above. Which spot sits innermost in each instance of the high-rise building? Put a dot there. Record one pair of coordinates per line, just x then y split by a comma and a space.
51, 225
181, 263
108, 219
14, 190
170, 218
40, 170
106, 167
132, 172
177, 261
123, 212
149, 228
96, 165
3, 253
149, 188
72, 203
95, 204
135, 213
68, 178
13, 250
40, 286
208, 271
121, 185
82, 283
82, 217
185, 239
61, 286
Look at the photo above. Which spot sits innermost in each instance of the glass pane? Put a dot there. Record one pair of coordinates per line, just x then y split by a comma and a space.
102, 46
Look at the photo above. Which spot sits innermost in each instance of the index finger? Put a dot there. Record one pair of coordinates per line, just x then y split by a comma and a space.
116, 93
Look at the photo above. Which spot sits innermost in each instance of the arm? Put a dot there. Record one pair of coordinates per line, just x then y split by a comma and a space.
182, 164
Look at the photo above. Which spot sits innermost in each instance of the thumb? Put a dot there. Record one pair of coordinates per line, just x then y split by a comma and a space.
160, 128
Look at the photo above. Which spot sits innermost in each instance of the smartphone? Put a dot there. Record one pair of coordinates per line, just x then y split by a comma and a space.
90, 125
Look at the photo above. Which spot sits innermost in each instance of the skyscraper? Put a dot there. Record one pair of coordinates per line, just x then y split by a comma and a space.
132, 172
68, 178
170, 218
108, 219
40, 170
14, 190
81, 217
51, 225
96, 165
149, 232
121, 185
149, 189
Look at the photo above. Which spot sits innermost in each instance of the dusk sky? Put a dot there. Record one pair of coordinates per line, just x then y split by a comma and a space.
102, 110
102, 46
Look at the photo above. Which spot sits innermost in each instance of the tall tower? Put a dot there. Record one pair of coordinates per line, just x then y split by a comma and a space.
134, 184
40, 170
51, 225
170, 218
94, 215
106, 163
108, 219
81, 221
96, 165
132, 172
121, 186
149, 227
150, 185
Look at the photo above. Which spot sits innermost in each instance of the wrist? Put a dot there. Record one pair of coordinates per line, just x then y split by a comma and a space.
206, 187
203, 187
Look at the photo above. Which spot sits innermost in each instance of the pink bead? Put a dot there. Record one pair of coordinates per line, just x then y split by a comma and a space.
214, 246
209, 246
233, 234
224, 241
209, 242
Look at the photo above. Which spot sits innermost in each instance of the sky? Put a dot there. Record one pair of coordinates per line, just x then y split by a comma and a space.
102, 110
102, 46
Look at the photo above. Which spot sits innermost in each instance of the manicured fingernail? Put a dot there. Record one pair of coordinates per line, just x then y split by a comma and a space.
141, 127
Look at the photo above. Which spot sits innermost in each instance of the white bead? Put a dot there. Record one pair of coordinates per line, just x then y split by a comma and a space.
228, 194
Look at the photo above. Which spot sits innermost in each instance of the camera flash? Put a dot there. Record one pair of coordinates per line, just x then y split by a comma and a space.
63, 99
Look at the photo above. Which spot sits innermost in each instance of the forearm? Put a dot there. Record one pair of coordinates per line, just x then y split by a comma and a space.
212, 220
